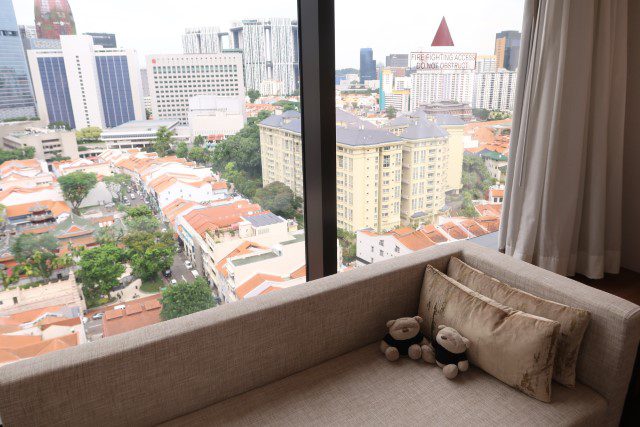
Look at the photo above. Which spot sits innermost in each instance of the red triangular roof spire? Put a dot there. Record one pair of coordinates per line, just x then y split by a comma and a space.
443, 36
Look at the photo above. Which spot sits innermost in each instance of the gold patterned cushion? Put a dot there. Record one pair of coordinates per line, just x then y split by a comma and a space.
573, 321
515, 347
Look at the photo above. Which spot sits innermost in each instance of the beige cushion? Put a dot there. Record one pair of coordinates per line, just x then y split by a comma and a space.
362, 388
573, 321
515, 347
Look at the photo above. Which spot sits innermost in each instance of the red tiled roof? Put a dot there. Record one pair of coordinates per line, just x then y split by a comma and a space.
137, 314
215, 217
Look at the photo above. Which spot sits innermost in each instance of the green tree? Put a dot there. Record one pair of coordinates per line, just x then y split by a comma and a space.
76, 186
186, 298
241, 182
200, 155
163, 142
7, 279
391, 112
100, 269
348, 245
182, 150
468, 210
154, 259
26, 245
139, 211
199, 141
279, 199
91, 133
481, 114
118, 184
476, 178
287, 105
243, 149
253, 95
17, 154
3, 214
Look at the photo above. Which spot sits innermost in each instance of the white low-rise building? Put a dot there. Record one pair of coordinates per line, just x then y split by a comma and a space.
214, 115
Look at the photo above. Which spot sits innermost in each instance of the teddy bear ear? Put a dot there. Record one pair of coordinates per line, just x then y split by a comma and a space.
418, 319
390, 323
441, 327
466, 342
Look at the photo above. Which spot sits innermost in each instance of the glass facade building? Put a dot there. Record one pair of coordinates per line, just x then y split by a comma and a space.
367, 65
56, 90
16, 95
115, 87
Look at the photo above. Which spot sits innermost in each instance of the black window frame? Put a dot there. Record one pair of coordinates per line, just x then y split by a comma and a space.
316, 41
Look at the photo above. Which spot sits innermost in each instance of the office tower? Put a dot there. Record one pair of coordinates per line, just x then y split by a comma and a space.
53, 19
107, 40
30, 39
397, 60
495, 91
28, 32
270, 51
367, 65
507, 49
16, 95
202, 40
175, 79
85, 85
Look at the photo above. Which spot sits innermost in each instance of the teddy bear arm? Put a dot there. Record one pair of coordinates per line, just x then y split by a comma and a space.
463, 365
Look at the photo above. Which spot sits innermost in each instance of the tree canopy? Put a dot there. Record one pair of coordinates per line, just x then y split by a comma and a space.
37, 254
118, 184
163, 142
279, 199
182, 150
391, 112
186, 298
17, 154
253, 95
91, 133
100, 269
76, 186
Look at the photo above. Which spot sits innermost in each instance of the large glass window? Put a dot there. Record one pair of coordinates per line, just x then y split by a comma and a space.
424, 102
176, 181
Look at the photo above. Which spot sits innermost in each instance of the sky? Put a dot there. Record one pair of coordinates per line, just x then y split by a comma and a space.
397, 26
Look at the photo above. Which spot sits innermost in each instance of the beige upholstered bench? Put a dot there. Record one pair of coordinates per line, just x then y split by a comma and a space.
309, 355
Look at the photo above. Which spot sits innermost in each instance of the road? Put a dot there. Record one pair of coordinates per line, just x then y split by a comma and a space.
179, 271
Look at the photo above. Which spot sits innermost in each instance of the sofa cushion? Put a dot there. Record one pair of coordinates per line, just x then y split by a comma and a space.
363, 388
573, 321
515, 347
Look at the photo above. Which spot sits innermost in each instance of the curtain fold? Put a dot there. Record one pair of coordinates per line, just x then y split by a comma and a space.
563, 199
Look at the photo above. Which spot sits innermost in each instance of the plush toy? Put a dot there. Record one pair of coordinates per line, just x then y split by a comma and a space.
448, 351
404, 338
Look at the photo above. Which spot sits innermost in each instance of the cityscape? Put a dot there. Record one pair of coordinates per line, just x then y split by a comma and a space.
135, 190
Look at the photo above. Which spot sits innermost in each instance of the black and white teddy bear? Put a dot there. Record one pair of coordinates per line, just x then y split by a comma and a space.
403, 339
448, 351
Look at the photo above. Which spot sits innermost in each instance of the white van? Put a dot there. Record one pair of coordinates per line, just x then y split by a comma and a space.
120, 307
195, 273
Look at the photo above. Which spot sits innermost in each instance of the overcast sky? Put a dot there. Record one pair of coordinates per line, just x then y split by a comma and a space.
387, 26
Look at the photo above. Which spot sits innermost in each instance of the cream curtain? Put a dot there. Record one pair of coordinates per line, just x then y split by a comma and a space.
562, 208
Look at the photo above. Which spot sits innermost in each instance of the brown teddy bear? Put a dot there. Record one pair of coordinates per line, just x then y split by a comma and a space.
404, 339
448, 351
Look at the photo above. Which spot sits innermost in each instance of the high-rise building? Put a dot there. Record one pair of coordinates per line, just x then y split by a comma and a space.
495, 91
486, 64
30, 39
175, 78
428, 87
16, 95
384, 177
53, 19
85, 85
397, 60
202, 40
507, 49
107, 40
269, 51
367, 65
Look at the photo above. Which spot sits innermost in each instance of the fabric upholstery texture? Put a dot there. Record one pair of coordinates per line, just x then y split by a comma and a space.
515, 347
573, 321
363, 388
174, 368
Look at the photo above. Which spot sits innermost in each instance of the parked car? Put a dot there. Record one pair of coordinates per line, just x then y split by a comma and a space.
97, 316
187, 264
174, 281
195, 273
167, 273
133, 196
120, 307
